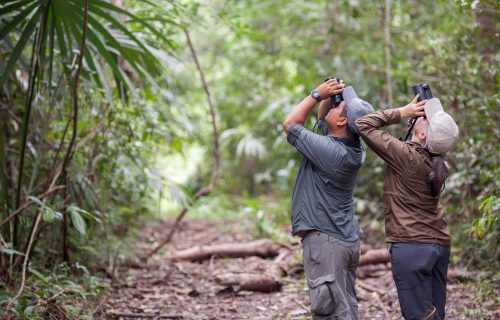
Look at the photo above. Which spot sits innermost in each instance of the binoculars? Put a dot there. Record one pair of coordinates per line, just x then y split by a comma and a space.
337, 98
424, 90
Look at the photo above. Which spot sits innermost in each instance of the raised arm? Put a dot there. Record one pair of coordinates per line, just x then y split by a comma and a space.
326, 105
389, 148
300, 113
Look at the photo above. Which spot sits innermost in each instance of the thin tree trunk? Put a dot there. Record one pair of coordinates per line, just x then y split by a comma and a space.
28, 250
4, 196
69, 151
37, 45
387, 46
217, 157
487, 21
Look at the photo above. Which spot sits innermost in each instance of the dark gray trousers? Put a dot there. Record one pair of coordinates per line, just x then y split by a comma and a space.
330, 266
419, 271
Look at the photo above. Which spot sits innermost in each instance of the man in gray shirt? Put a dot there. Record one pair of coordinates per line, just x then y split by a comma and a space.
322, 202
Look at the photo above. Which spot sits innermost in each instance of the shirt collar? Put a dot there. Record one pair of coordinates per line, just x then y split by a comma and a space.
348, 142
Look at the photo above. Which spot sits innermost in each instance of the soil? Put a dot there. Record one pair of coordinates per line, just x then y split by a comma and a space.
161, 289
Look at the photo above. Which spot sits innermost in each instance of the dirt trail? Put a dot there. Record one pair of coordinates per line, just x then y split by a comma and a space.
185, 290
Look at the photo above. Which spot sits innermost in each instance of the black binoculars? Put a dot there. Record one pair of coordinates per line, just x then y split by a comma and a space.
424, 90
337, 98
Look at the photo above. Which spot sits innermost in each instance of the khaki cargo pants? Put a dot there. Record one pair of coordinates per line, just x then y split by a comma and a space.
330, 266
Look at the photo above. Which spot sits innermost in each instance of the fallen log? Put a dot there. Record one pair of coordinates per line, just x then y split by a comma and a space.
272, 280
374, 256
459, 275
372, 270
250, 282
267, 282
263, 248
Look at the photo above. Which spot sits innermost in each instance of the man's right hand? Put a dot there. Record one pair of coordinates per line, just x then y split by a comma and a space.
330, 88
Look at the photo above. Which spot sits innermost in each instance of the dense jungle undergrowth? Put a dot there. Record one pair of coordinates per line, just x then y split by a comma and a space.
130, 130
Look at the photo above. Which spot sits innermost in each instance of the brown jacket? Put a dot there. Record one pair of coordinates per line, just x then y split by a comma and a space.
412, 214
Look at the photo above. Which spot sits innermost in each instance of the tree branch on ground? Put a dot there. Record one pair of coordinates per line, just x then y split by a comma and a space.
263, 248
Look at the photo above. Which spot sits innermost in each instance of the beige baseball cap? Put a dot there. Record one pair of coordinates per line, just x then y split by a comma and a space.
442, 132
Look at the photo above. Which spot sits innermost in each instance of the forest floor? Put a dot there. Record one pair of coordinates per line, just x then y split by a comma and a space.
188, 290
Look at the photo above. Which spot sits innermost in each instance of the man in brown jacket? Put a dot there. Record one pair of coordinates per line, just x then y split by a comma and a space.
415, 226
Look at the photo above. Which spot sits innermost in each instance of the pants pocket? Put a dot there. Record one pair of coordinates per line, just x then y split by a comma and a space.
312, 249
321, 295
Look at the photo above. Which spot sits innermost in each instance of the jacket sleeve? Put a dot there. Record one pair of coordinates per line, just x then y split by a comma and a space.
395, 152
316, 148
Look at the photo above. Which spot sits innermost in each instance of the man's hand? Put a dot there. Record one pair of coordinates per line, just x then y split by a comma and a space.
330, 88
413, 109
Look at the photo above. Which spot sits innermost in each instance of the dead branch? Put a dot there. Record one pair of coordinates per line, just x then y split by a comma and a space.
28, 203
370, 288
264, 248
250, 282
371, 270
89, 135
28, 250
217, 155
382, 306
459, 275
144, 315
301, 305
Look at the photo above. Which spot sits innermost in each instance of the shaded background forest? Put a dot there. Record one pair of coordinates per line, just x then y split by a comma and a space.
81, 172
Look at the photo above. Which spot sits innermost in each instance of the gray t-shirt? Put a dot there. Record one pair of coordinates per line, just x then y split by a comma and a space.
322, 199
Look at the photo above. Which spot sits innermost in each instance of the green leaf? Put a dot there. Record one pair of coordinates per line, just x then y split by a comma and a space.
485, 203
21, 44
36, 200
48, 214
112, 7
9, 26
11, 251
77, 221
61, 43
39, 275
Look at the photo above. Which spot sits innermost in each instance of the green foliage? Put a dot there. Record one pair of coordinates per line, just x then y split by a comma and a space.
489, 219
269, 216
143, 111
56, 295
479, 245
111, 173
269, 55
108, 37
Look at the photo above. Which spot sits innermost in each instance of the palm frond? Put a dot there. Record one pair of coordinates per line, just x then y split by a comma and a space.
109, 40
